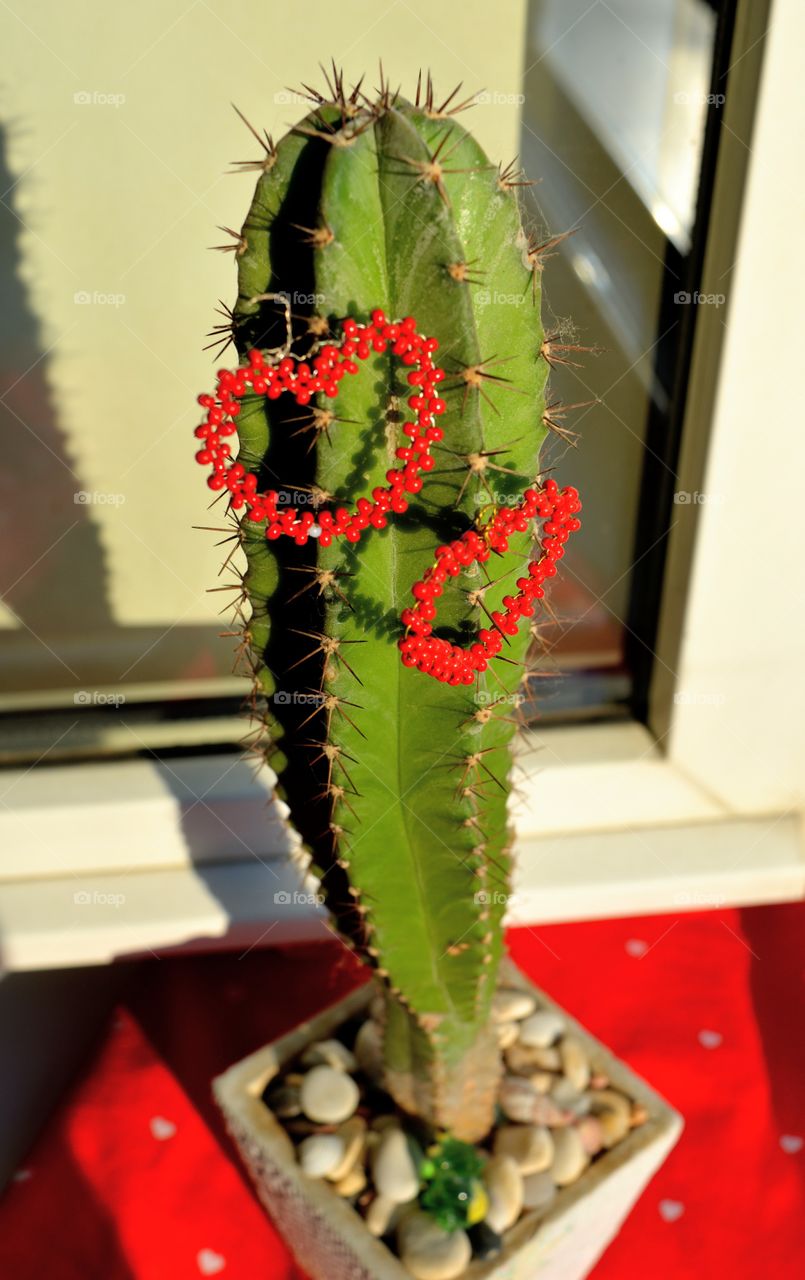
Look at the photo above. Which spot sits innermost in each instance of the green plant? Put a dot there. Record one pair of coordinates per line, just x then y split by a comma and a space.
368, 212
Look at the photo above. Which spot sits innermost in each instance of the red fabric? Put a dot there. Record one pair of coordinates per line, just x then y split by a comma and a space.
133, 1178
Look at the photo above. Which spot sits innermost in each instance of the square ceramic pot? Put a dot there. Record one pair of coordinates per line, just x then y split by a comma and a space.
328, 1236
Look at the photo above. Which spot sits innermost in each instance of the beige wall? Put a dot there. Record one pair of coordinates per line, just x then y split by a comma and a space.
120, 195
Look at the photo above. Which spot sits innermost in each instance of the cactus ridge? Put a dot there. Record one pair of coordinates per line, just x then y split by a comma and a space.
398, 786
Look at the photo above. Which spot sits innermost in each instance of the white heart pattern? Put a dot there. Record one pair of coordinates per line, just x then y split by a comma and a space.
791, 1143
710, 1039
671, 1210
636, 947
161, 1128
210, 1262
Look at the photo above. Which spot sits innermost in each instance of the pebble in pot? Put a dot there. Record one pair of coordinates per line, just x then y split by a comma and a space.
542, 1029
614, 1114
393, 1170
328, 1096
429, 1252
569, 1158
539, 1190
510, 1005
381, 1216
575, 1063
320, 1154
504, 1185
520, 1101
330, 1053
529, 1145
353, 1136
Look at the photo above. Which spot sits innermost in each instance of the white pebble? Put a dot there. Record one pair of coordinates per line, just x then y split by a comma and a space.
328, 1096
330, 1053
353, 1136
429, 1252
539, 1190
569, 1158
575, 1062
614, 1113
504, 1185
381, 1216
529, 1145
320, 1154
506, 1033
542, 1029
393, 1170
511, 1005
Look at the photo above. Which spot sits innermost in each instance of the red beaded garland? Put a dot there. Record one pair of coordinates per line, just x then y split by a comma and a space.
452, 663
321, 375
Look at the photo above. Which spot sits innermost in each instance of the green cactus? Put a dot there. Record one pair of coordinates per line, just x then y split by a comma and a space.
398, 783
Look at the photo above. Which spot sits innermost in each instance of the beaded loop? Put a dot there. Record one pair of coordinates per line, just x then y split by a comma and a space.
419, 647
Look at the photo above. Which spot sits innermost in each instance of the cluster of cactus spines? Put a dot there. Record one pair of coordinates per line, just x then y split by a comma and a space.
398, 785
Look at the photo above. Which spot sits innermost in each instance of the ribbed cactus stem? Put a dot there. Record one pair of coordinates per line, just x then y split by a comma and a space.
398, 783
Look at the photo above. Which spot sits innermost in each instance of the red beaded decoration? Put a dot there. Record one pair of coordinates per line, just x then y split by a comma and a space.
321, 374
451, 663
304, 379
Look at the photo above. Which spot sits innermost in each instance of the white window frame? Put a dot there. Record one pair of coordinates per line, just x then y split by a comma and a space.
702, 809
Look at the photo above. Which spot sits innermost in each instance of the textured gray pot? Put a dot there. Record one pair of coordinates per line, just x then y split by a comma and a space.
328, 1236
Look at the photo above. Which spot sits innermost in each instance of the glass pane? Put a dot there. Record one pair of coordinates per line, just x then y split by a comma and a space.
108, 201
610, 133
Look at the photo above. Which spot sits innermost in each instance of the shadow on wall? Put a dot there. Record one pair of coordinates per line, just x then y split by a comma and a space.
61, 632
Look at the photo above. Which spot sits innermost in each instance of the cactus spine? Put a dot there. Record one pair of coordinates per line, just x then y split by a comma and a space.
398, 784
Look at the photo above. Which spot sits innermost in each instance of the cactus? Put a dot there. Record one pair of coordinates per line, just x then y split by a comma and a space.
368, 212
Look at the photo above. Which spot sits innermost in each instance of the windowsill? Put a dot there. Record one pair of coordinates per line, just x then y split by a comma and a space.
121, 859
